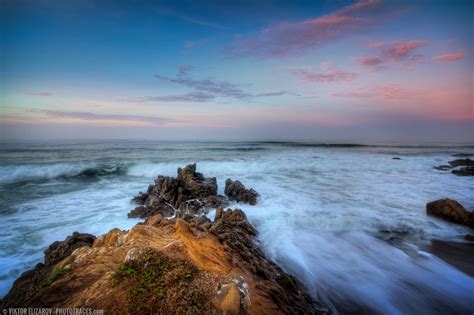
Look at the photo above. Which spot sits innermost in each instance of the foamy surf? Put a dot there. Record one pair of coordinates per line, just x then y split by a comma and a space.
322, 213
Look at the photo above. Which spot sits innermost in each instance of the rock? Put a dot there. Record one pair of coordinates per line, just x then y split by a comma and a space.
463, 154
466, 166
396, 158
215, 201
190, 193
464, 171
194, 182
228, 299
442, 167
58, 250
169, 266
461, 162
235, 190
450, 210
469, 238
146, 211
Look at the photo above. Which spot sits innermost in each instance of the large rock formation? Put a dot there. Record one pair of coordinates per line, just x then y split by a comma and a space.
235, 190
190, 193
450, 210
168, 266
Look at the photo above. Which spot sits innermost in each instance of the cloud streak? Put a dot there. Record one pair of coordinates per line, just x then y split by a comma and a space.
458, 55
388, 92
39, 93
326, 74
287, 38
394, 53
206, 90
87, 116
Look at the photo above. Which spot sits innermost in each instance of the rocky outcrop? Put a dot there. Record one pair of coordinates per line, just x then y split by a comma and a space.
33, 285
169, 266
189, 193
460, 167
58, 250
236, 191
461, 162
450, 210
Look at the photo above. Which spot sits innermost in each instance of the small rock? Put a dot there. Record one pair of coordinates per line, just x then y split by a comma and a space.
235, 190
450, 210
228, 299
469, 238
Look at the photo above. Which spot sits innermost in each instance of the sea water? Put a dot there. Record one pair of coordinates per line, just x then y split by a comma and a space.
347, 220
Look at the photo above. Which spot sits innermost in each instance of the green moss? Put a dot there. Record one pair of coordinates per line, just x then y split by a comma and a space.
55, 275
157, 283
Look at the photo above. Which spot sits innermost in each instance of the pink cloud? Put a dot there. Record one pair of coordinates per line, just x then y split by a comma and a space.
326, 74
402, 51
450, 57
370, 60
390, 91
387, 92
394, 52
184, 69
356, 93
294, 37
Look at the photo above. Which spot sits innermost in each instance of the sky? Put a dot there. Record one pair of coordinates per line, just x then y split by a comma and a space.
341, 71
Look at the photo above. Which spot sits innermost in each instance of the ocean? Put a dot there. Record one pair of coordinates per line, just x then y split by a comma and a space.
348, 220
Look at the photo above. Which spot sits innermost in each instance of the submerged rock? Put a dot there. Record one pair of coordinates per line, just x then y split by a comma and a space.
172, 266
235, 190
450, 210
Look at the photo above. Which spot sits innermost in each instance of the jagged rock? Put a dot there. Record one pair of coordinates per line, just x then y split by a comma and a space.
146, 211
173, 266
215, 201
466, 167
464, 171
461, 162
190, 193
58, 250
450, 210
235, 190
142, 197
194, 182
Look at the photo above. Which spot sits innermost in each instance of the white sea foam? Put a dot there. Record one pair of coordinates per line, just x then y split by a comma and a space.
321, 215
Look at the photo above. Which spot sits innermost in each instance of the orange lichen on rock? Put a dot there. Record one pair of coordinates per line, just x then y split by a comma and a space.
187, 266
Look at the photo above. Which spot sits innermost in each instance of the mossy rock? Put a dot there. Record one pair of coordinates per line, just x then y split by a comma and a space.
159, 283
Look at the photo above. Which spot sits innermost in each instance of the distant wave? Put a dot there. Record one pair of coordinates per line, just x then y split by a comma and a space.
11, 174
223, 149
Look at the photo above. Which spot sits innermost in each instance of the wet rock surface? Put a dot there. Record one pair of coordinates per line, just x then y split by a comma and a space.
450, 210
186, 265
459, 167
189, 193
235, 190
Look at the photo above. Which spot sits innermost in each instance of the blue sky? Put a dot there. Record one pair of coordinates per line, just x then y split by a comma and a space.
368, 70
